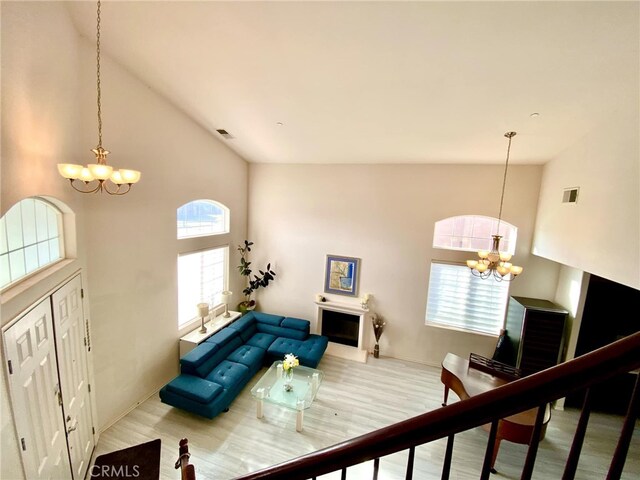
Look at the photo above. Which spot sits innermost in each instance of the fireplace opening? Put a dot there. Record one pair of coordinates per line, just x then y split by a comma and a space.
341, 327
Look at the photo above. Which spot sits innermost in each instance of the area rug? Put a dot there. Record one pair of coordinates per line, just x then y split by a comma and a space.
140, 462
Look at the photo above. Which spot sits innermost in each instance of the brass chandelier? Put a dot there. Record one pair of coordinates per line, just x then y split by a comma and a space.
110, 180
494, 263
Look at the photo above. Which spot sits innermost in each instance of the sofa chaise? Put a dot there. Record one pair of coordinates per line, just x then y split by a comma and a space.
214, 373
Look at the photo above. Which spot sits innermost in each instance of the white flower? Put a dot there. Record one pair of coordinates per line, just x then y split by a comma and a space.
290, 361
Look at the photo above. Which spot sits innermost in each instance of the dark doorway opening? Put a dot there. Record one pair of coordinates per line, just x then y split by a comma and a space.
608, 316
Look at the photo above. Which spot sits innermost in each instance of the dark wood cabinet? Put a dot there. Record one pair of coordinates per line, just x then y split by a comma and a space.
535, 332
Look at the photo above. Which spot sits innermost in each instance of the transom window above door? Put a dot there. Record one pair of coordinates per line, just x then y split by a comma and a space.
31, 238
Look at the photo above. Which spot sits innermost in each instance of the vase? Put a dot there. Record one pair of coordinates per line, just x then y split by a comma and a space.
288, 379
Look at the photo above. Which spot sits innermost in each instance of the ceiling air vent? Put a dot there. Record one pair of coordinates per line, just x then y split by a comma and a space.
224, 133
570, 195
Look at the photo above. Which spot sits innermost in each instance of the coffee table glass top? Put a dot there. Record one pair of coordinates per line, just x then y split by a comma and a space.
305, 383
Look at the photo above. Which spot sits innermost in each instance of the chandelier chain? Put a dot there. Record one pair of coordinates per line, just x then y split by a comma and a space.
509, 135
98, 77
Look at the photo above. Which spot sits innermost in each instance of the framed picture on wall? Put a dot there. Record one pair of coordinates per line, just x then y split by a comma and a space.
341, 275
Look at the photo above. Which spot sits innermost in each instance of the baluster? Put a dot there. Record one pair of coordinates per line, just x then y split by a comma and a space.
344, 474
376, 467
412, 452
530, 461
578, 438
488, 456
448, 454
620, 455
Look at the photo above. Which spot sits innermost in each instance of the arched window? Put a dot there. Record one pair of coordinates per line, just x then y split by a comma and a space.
31, 238
203, 274
202, 217
457, 299
472, 233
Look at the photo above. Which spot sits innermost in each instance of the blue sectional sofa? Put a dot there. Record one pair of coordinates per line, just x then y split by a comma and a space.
214, 373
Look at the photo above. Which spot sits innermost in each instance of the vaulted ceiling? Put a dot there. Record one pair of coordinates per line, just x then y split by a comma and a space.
381, 82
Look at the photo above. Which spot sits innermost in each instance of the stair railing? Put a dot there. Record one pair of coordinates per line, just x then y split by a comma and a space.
534, 391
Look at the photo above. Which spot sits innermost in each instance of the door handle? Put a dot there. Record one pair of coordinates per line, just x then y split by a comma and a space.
71, 429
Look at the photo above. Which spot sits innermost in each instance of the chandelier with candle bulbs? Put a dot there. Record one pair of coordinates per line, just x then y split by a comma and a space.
494, 263
110, 180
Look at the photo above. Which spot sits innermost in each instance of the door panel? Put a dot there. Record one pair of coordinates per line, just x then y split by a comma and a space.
68, 317
33, 380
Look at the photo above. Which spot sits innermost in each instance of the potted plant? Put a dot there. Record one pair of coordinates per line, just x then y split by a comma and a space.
254, 284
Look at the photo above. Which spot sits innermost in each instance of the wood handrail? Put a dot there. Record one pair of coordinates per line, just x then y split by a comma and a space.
615, 359
187, 471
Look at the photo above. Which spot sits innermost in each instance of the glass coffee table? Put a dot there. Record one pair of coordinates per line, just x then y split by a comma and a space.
271, 388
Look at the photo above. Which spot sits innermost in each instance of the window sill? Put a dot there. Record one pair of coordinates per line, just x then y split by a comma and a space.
196, 322
462, 330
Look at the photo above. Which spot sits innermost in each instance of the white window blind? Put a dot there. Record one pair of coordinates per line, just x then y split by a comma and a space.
202, 277
458, 299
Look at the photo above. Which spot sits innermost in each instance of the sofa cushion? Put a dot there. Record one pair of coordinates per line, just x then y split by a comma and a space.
229, 374
194, 388
245, 326
281, 346
268, 318
248, 356
296, 323
282, 332
261, 340
222, 353
196, 357
311, 351
223, 337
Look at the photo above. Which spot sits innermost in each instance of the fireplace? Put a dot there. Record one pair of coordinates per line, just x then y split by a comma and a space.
341, 327
344, 324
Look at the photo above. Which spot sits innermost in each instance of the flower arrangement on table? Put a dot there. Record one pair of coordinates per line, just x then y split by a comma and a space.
289, 363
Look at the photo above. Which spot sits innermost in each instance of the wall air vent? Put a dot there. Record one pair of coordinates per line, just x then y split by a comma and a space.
224, 133
570, 195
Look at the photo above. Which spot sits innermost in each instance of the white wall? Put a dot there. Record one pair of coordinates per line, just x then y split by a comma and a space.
599, 234
40, 125
132, 239
385, 215
127, 245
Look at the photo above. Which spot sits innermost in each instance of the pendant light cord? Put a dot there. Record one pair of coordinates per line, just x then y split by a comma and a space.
98, 78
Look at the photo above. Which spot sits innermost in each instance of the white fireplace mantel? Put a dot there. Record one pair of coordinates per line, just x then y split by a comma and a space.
358, 353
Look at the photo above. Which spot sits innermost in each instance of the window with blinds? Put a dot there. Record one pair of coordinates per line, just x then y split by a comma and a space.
202, 277
457, 299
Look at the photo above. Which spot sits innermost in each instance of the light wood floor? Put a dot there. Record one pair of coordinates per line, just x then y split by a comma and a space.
354, 399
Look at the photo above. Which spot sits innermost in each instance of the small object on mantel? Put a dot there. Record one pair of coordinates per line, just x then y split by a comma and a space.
320, 298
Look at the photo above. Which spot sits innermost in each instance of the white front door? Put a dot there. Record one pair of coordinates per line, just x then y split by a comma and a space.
33, 379
68, 317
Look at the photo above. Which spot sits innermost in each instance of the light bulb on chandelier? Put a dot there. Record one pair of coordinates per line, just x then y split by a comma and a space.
99, 171
494, 262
